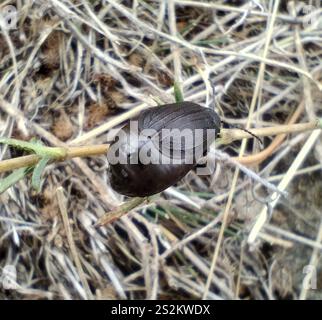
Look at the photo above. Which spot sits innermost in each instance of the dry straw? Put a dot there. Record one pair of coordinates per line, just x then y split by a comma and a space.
72, 58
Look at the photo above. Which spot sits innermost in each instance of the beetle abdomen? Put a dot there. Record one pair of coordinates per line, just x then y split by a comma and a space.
146, 180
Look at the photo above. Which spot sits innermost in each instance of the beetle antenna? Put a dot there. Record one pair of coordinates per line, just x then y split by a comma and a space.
252, 134
223, 122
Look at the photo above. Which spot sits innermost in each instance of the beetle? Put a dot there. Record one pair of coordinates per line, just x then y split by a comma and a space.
157, 136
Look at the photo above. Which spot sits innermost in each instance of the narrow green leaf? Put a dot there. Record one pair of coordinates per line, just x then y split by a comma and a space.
35, 146
38, 171
18, 143
13, 178
177, 92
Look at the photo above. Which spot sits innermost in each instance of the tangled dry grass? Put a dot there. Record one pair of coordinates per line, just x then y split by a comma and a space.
73, 69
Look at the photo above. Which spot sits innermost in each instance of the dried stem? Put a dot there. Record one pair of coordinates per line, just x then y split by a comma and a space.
230, 135
73, 249
120, 211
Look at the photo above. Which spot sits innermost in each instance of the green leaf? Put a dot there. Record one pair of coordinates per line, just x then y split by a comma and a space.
38, 171
177, 92
18, 143
13, 178
35, 146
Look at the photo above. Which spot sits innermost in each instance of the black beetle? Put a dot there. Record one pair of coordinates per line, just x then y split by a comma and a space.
154, 138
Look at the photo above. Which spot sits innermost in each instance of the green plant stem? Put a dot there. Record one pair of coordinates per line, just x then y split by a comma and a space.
73, 152
37, 148
178, 92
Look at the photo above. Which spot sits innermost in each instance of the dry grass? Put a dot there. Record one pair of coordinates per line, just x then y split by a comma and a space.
72, 70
